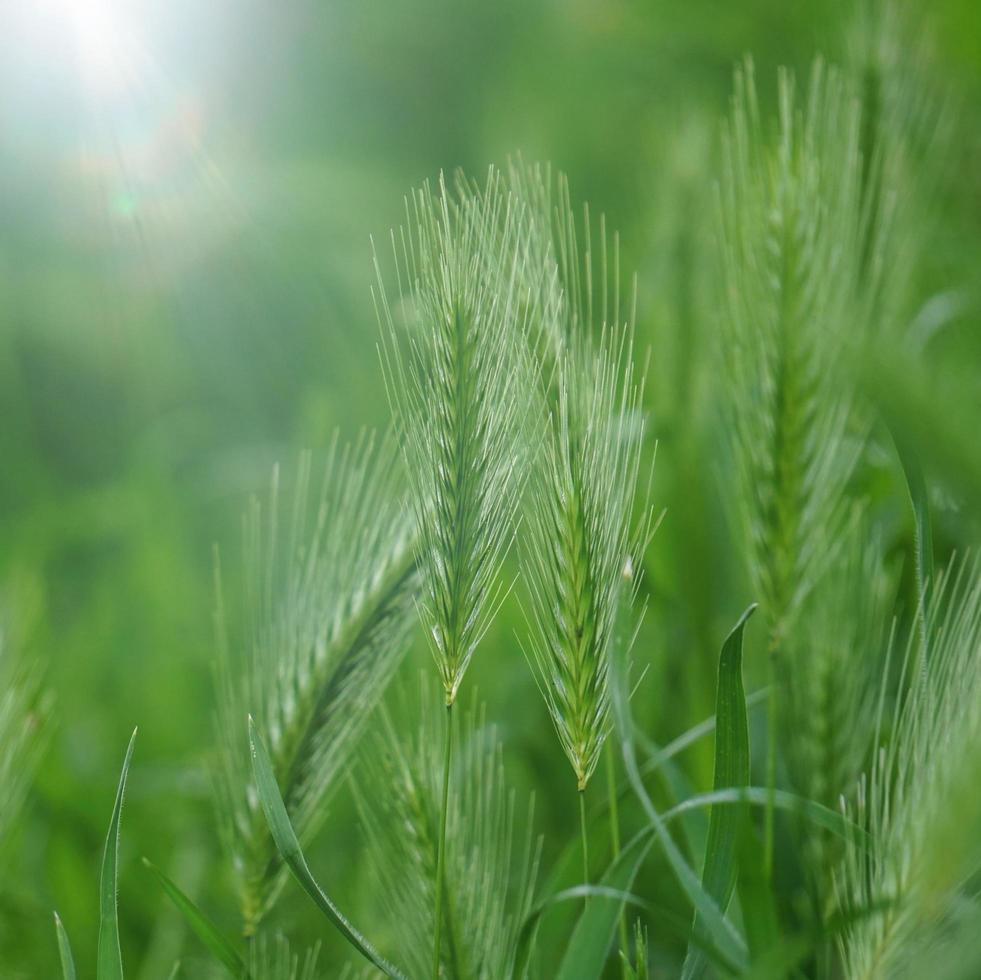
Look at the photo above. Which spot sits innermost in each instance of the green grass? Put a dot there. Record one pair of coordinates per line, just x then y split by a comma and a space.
482, 704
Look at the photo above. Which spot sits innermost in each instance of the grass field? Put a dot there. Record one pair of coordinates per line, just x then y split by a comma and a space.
555, 425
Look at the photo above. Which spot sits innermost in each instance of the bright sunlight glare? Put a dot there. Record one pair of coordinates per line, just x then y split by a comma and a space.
111, 59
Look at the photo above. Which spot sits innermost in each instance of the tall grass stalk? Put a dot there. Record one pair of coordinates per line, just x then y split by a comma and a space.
581, 530
441, 848
831, 681
455, 360
795, 302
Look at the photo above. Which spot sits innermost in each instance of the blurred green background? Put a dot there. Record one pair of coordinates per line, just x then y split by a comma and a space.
186, 196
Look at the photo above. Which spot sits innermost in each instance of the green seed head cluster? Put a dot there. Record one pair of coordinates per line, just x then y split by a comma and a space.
331, 604
795, 303
580, 535
920, 803
580, 540
457, 372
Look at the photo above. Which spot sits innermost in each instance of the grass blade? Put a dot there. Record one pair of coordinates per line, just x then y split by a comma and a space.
731, 770
586, 953
202, 927
591, 935
109, 965
289, 849
724, 937
64, 950
734, 797
757, 900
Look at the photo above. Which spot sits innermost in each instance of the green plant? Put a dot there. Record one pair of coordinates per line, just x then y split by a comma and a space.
109, 965
25, 711
459, 389
490, 866
919, 802
330, 601
799, 301
581, 545
837, 837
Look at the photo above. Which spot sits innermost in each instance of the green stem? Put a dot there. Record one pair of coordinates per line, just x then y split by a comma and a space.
771, 761
441, 852
611, 792
585, 841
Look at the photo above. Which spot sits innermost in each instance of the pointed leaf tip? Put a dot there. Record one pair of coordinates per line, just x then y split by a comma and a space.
731, 771
289, 849
216, 943
109, 963
64, 950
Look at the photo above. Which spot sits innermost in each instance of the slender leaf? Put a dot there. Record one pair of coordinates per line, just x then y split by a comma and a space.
756, 894
202, 927
576, 893
587, 950
64, 950
289, 849
731, 770
816, 813
723, 935
109, 965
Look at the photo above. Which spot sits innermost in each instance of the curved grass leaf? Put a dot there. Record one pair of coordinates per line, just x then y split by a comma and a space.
289, 849
816, 813
661, 758
109, 965
722, 935
202, 927
64, 950
587, 950
529, 927
731, 770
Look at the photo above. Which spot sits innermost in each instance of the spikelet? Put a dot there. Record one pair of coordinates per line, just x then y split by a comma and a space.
457, 377
831, 679
794, 305
580, 535
272, 959
490, 868
331, 607
920, 803
25, 710
580, 541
